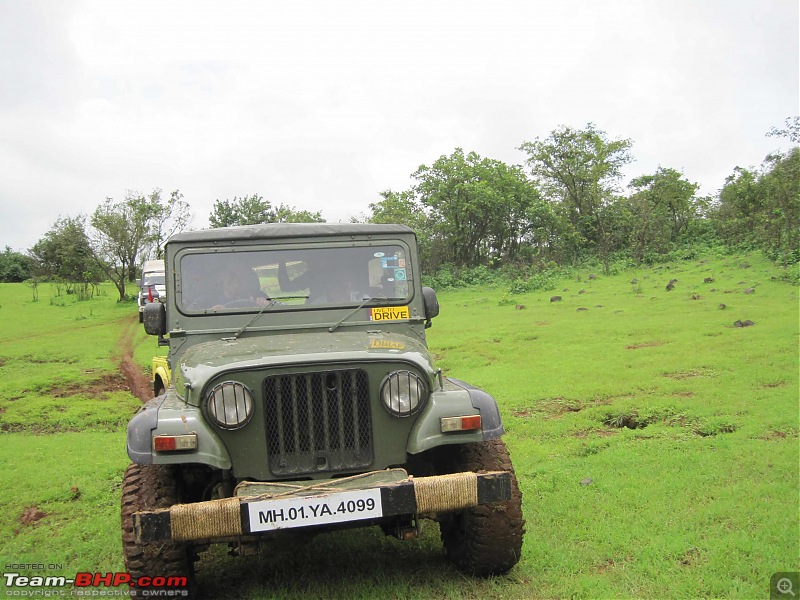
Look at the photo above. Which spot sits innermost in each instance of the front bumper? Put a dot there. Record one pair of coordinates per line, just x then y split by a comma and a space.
259, 508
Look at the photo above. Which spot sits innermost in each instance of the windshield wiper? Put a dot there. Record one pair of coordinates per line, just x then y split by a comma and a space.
363, 303
331, 329
269, 304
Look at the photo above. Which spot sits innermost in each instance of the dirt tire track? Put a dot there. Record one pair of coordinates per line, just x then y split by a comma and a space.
138, 382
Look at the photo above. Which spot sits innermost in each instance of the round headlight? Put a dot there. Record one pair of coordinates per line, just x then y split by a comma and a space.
230, 405
402, 393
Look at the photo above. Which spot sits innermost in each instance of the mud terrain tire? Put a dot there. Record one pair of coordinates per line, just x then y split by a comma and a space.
485, 540
147, 487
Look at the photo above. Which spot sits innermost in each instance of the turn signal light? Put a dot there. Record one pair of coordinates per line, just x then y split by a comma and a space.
467, 423
169, 443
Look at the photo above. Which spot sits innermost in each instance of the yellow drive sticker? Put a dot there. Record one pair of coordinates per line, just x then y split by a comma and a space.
388, 313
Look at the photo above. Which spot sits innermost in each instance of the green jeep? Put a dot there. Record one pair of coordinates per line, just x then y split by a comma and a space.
303, 398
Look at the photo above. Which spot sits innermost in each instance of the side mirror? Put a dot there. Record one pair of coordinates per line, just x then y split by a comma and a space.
154, 317
138, 283
431, 304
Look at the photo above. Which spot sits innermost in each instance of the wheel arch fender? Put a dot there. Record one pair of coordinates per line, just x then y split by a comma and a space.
140, 432
455, 399
168, 414
491, 422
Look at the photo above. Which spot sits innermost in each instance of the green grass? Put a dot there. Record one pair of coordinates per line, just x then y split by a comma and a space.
75, 479
59, 362
686, 425
63, 410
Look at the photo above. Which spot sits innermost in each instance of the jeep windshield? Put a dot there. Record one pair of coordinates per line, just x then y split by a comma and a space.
153, 279
286, 278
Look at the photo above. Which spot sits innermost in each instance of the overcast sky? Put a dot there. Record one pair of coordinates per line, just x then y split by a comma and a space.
321, 105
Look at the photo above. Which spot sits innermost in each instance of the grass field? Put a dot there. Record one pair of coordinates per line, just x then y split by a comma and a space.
656, 444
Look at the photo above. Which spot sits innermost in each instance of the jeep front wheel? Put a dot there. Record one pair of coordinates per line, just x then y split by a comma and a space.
148, 487
484, 540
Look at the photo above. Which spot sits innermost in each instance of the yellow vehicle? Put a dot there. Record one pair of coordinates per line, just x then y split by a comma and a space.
161, 375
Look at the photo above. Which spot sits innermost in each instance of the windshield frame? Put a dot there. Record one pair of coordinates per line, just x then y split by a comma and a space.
292, 301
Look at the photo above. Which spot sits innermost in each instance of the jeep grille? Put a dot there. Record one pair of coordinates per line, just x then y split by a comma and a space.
318, 422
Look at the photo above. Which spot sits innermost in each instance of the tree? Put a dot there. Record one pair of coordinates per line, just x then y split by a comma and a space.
760, 208
14, 266
121, 232
792, 131
662, 209
580, 169
738, 211
64, 253
476, 207
780, 188
253, 210
170, 217
289, 214
401, 208
549, 236
247, 210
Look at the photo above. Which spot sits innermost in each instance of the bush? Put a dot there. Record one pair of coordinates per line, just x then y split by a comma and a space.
520, 279
448, 277
541, 281
784, 257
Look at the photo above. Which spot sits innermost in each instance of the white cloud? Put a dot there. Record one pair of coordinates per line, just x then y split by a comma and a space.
323, 105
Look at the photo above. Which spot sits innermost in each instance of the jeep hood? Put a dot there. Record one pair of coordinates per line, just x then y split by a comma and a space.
203, 362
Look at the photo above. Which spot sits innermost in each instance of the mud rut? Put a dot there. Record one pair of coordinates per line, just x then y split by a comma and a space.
138, 382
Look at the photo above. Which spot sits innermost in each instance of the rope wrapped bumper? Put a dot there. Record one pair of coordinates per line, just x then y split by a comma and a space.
446, 492
246, 515
212, 519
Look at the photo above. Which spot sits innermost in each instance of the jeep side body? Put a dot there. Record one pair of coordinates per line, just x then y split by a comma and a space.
306, 400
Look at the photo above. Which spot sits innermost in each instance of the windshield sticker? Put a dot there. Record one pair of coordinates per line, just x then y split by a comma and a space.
386, 345
388, 313
379, 255
400, 274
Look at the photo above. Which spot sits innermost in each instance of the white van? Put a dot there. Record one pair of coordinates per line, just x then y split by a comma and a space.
152, 285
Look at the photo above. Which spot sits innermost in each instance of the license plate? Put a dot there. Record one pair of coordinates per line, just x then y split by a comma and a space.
338, 507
